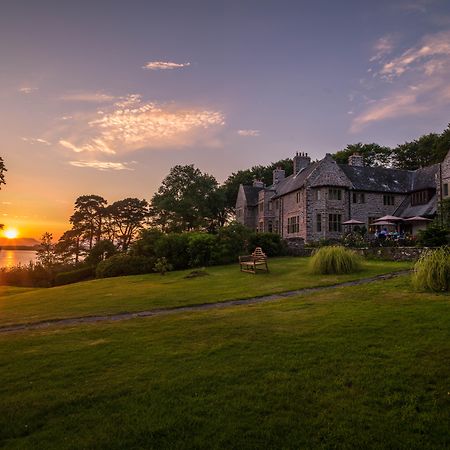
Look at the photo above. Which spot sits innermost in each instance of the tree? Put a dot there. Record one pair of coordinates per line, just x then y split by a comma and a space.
419, 153
88, 217
69, 246
46, 253
183, 202
128, 217
2, 172
373, 154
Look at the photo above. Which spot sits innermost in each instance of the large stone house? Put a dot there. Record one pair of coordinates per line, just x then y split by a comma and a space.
319, 196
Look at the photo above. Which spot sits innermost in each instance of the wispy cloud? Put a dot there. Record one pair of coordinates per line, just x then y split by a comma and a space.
383, 47
164, 65
36, 141
100, 165
415, 82
132, 124
27, 89
247, 133
94, 97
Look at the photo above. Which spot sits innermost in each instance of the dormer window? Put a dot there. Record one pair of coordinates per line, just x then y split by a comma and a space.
420, 198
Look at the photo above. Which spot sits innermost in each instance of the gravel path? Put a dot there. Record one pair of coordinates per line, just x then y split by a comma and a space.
197, 307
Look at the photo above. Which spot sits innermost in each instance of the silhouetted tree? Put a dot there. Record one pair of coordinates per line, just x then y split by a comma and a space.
46, 253
373, 154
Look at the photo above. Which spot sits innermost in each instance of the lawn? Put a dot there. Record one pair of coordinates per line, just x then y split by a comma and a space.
358, 367
143, 292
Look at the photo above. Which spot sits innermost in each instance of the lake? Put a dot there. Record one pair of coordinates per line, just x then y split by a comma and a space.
10, 258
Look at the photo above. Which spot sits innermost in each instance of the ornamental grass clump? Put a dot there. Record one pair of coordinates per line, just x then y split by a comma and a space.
334, 260
432, 271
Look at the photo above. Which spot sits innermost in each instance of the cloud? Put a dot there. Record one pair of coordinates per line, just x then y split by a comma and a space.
100, 165
164, 65
382, 47
415, 82
27, 89
90, 97
36, 141
132, 124
252, 133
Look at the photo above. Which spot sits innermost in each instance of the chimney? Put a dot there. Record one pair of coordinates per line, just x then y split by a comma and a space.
301, 161
278, 175
258, 183
356, 160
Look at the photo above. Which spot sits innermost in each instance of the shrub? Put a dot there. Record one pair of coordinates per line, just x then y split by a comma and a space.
122, 264
174, 247
232, 241
433, 236
201, 248
74, 276
30, 275
334, 260
271, 243
162, 266
146, 245
432, 271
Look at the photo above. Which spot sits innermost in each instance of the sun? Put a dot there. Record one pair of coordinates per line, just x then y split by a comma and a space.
11, 233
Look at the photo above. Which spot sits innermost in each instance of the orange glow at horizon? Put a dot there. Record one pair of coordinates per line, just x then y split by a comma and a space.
11, 233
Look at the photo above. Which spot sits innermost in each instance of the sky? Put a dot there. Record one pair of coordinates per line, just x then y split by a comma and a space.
105, 97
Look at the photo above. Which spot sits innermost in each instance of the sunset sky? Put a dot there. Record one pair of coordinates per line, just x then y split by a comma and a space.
104, 97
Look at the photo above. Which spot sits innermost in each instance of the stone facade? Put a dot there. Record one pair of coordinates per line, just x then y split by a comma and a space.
320, 196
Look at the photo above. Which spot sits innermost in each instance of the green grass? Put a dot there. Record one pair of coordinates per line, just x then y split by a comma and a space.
143, 292
358, 367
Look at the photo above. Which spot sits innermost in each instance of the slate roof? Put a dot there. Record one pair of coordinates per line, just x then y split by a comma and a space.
251, 194
294, 182
407, 210
425, 178
379, 179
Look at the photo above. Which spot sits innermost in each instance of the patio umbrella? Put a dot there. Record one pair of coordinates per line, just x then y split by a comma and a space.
390, 218
353, 222
384, 222
418, 219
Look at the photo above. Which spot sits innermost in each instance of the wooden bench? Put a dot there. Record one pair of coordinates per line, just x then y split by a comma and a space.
256, 261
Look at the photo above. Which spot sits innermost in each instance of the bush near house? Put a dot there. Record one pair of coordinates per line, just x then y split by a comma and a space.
434, 235
334, 260
432, 271
74, 276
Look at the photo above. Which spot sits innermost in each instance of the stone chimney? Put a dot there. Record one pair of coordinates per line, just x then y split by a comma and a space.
301, 161
278, 175
356, 160
258, 183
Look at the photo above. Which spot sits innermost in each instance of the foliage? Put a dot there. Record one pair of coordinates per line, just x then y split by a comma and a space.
232, 241
174, 247
69, 247
2, 172
162, 266
334, 260
355, 240
433, 236
263, 173
444, 213
373, 154
100, 251
271, 243
74, 276
46, 255
27, 275
184, 200
122, 264
127, 217
201, 249
432, 271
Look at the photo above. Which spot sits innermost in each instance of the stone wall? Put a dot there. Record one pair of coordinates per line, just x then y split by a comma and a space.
392, 253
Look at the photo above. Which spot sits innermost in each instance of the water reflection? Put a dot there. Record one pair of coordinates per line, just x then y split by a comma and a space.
9, 258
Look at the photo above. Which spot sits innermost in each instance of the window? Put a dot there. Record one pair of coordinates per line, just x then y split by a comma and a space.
362, 197
270, 206
355, 195
293, 224
334, 223
277, 204
319, 223
388, 200
298, 197
334, 194
269, 227
316, 194
445, 190
261, 207
359, 198
275, 227
419, 198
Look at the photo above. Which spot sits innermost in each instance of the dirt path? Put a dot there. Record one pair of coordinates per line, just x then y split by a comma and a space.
197, 307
